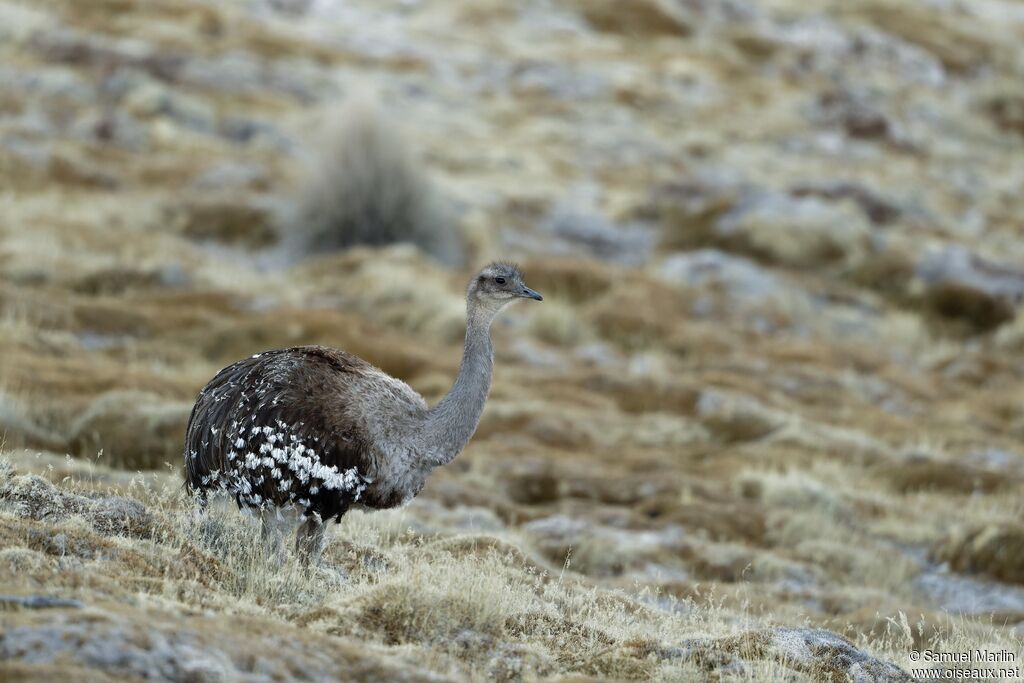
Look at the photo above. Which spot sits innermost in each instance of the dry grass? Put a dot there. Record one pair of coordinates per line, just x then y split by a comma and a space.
799, 424
467, 605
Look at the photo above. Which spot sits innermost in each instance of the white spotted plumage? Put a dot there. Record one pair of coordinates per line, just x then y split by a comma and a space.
288, 460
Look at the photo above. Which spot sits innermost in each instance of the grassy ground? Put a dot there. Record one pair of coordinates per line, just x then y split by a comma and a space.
775, 381
164, 589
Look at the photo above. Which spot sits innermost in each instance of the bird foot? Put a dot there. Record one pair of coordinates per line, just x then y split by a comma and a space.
329, 574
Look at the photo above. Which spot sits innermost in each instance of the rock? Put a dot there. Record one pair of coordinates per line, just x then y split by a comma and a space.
112, 128
240, 72
816, 653
577, 221
956, 283
32, 497
739, 278
151, 99
255, 132
859, 114
996, 550
818, 44
48, 84
19, 22
107, 52
133, 429
233, 71
546, 78
129, 644
295, 8
37, 601
969, 595
880, 209
233, 176
1005, 462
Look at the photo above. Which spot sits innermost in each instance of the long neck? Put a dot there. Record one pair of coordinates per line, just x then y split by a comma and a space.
451, 423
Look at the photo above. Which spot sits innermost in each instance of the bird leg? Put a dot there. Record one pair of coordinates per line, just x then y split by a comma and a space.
272, 535
309, 541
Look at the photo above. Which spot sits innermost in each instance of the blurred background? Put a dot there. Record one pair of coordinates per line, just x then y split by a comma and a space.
781, 246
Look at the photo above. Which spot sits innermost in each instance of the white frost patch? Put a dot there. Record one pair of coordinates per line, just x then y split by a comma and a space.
792, 645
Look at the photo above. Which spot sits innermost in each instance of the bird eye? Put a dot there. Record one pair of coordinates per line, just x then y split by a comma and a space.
500, 280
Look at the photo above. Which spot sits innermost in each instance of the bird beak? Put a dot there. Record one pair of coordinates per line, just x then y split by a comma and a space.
528, 293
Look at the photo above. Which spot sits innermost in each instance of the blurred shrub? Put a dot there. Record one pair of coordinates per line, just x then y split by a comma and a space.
18, 429
994, 549
364, 186
133, 429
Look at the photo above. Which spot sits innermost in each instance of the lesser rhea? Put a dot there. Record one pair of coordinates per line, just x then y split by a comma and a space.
315, 430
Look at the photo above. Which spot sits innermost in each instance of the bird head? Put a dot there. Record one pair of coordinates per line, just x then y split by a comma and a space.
498, 284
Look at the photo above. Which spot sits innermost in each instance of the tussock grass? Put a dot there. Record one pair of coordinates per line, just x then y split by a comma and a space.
363, 185
559, 324
473, 606
132, 429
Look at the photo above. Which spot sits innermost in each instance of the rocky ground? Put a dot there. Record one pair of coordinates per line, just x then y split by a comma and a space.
768, 422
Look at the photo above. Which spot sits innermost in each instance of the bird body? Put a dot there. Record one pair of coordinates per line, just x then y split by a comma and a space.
303, 426
318, 431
